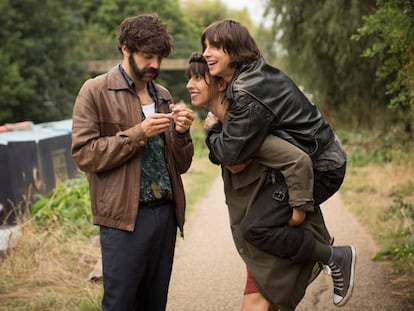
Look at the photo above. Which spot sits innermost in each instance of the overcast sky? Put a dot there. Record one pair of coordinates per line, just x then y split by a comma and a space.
255, 7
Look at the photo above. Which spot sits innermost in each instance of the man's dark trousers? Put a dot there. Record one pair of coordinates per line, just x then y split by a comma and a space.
137, 265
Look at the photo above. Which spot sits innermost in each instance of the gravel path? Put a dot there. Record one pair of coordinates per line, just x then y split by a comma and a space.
209, 275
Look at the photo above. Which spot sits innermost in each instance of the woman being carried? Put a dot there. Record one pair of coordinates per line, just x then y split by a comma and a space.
282, 281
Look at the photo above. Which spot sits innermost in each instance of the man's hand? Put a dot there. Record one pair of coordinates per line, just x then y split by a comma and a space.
298, 216
182, 116
156, 124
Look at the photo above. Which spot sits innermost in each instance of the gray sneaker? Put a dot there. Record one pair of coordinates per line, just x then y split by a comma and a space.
342, 267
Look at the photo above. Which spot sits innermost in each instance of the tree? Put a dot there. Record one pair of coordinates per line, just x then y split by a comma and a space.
10, 80
102, 18
205, 12
37, 57
321, 56
392, 26
44, 47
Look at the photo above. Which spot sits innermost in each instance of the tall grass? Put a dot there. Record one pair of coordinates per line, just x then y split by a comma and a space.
379, 190
47, 270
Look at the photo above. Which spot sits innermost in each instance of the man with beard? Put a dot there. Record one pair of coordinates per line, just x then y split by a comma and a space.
133, 144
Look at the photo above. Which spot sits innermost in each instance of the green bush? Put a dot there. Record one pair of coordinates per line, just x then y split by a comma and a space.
365, 148
68, 205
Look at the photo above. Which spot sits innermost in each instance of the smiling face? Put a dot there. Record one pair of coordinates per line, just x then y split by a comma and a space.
218, 61
205, 91
202, 87
199, 89
227, 45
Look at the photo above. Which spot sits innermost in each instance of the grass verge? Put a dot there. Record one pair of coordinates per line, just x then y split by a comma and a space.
379, 190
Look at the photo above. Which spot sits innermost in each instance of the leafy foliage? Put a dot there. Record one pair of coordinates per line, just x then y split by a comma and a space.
68, 205
393, 26
326, 62
366, 147
37, 57
102, 18
44, 48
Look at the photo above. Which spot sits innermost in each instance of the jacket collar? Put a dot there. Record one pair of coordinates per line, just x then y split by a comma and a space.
245, 74
115, 79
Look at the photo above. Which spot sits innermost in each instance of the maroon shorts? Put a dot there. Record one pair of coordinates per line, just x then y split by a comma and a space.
250, 284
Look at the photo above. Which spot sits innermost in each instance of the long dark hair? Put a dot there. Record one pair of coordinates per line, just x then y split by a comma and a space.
235, 40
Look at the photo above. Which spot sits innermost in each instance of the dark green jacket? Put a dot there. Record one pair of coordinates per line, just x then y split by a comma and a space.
281, 281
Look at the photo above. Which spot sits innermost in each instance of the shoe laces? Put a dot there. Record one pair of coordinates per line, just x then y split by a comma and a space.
337, 277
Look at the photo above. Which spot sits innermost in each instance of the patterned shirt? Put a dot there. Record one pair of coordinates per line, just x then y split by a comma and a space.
155, 179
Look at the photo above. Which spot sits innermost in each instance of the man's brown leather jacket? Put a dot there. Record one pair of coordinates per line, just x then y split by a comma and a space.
105, 106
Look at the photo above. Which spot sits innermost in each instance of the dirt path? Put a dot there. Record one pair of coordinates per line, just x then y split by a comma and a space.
209, 275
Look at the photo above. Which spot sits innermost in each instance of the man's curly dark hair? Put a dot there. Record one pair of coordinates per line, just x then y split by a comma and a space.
145, 33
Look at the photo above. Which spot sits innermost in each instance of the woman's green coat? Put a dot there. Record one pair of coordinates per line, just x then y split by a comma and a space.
281, 281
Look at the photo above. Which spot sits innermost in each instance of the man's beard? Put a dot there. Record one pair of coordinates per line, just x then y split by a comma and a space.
140, 74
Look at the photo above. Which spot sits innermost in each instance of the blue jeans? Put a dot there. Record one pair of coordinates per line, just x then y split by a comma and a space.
137, 265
